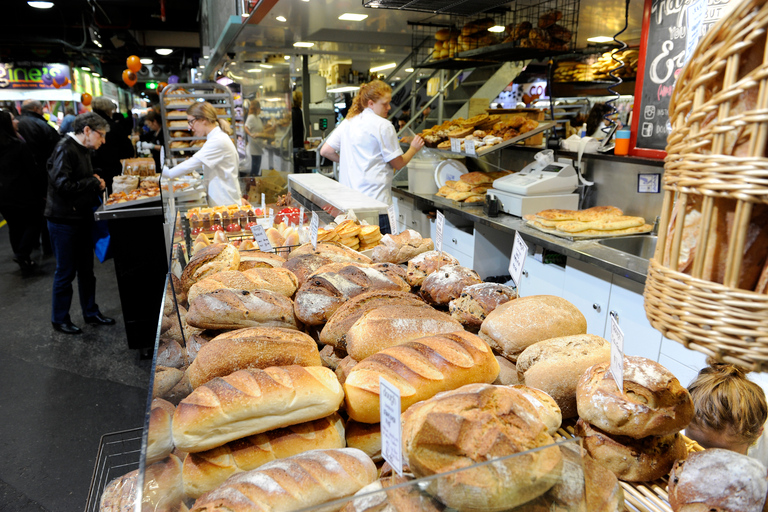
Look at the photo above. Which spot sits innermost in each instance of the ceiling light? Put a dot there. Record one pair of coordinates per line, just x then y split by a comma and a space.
383, 67
346, 88
496, 28
96, 75
349, 16
281, 18
163, 51
600, 39
146, 62
85, 68
40, 5
255, 70
272, 99
104, 79
266, 66
287, 57
205, 56
409, 70
302, 44
245, 15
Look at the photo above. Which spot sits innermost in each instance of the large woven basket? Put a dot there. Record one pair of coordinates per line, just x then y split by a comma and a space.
716, 162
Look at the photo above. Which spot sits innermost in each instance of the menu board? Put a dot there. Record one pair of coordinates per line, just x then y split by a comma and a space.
671, 31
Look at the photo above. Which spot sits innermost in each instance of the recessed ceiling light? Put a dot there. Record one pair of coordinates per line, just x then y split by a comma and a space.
384, 66
163, 51
287, 57
205, 56
104, 80
40, 5
600, 39
303, 44
96, 75
350, 16
85, 68
409, 70
267, 66
281, 18
146, 62
255, 70
496, 28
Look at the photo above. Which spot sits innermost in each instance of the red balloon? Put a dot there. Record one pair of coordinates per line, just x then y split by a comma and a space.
133, 63
86, 99
129, 77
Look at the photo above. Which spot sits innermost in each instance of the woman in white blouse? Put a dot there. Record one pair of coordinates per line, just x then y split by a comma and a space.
217, 157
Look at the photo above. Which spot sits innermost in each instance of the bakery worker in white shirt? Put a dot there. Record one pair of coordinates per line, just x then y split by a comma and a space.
217, 157
367, 148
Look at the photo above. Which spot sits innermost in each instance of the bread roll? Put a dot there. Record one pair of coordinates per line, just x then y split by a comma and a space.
205, 471
163, 487
556, 365
365, 437
441, 287
253, 347
425, 263
160, 435
419, 369
249, 402
653, 403
475, 423
387, 326
306, 265
477, 301
333, 251
547, 409
376, 497
305, 480
207, 261
277, 280
513, 326
401, 247
235, 309
717, 479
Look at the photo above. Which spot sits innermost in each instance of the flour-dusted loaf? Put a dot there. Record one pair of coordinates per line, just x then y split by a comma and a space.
387, 326
517, 324
207, 261
556, 365
257, 259
252, 347
249, 402
653, 403
401, 247
425, 263
720, 480
477, 301
305, 265
160, 434
545, 406
235, 309
377, 497
365, 437
475, 423
205, 471
305, 480
335, 252
419, 369
278, 280
441, 287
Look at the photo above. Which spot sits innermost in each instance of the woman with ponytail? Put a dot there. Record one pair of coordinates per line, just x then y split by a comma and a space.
366, 146
217, 157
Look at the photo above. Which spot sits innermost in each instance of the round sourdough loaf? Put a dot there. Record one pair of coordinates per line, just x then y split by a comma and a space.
653, 403
441, 287
477, 301
517, 324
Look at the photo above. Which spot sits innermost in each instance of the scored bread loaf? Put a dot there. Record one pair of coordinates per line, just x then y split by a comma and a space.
477, 301
401, 247
163, 487
365, 437
419, 369
252, 347
441, 287
556, 365
425, 263
160, 434
387, 326
207, 261
277, 280
205, 471
345, 366
333, 251
258, 259
513, 326
306, 265
249, 402
235, 309
302, 481
545, 406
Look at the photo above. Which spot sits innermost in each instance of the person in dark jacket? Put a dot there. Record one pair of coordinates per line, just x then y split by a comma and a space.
18, 192
73, 192
106, 160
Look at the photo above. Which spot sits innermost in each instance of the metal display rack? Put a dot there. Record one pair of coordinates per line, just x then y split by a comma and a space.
119, 453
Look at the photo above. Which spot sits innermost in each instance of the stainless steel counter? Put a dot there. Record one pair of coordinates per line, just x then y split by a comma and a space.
588, 251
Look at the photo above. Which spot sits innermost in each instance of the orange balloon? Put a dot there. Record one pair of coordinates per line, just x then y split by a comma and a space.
133, 63
129, 77
161, 86
85, 99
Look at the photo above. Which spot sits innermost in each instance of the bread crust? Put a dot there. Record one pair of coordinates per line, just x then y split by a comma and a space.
441, 287
421, 265
209, 260
235, 309
278, 280
477, 301
333, 251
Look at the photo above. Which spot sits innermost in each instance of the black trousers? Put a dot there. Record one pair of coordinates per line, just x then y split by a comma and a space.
24, 226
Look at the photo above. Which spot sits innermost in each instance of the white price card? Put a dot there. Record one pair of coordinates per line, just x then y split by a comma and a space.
455, 145
517, 260
469, 147
263, 206
301, 216
260, 237
439, 224
313, 225
617, 353
391, 429
392, 220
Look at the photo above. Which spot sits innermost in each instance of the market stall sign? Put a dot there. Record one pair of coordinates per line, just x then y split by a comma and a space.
31, 75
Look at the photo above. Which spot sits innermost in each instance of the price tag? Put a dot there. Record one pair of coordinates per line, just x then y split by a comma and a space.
469, 147
517, 260
617, 353
439, 224
392, 221
314, 223
391, 429
301, 216
455, 145
260, 237
263, 206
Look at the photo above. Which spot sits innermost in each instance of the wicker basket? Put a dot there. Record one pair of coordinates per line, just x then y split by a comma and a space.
717, 160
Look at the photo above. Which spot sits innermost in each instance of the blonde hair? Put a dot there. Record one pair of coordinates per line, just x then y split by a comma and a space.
205, 111
725, 400
372, 91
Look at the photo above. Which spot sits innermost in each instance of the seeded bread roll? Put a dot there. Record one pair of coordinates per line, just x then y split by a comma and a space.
207, 261
277, 280
235, 309
653, 403
477, 301
441, 287
425, 263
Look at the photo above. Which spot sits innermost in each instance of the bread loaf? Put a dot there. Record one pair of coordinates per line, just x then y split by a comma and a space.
205, 471
278, 280
441, 287
253, 347
160, 435
475, 423
302, 481
344, 368
717, 479
419, 369
547, 409
477, 301
420, 266
194, 344
333, 251
163, 487
376, 497
507, 372
121, 494
170, 353
387, 326
365, 437
249, 402
306, 265
401, 247
171, 384
556, 365
207, 261
513, 326
257, 259
653, 403
235, 309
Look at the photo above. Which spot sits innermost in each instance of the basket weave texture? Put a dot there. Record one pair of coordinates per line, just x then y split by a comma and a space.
713, 235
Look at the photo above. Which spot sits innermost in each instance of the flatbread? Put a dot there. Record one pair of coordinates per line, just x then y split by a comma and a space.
590, 214
458, 196
607, 224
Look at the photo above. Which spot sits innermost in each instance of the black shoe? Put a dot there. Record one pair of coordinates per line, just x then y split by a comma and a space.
99, 319
66, 327
26, 264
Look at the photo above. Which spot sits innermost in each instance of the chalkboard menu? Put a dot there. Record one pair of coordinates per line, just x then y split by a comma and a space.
671, 30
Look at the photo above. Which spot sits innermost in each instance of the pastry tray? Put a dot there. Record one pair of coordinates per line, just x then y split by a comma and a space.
575, 236
455, 204
144, 201
543, 126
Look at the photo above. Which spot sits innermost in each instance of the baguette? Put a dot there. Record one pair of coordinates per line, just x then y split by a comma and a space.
278, 280
419, 369
249, 402
235, 309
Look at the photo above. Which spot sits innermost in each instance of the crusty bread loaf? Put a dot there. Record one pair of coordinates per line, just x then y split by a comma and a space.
365, 437
419, 369
477, 301
333, 251
278, 280
507, 372
302, 481
387, 326
170, 353
401, 247
163, 487
475, 423
717, 479
441, 287
160, 435
257, 259
344, 368
306, 265
252, 347
425, 263
476, 178
653, 403
205, 471
335, 330
194, 344
514, 325
207, 261
545, 406
171, 384
235, 309
249, 402
556, 365
376, 497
